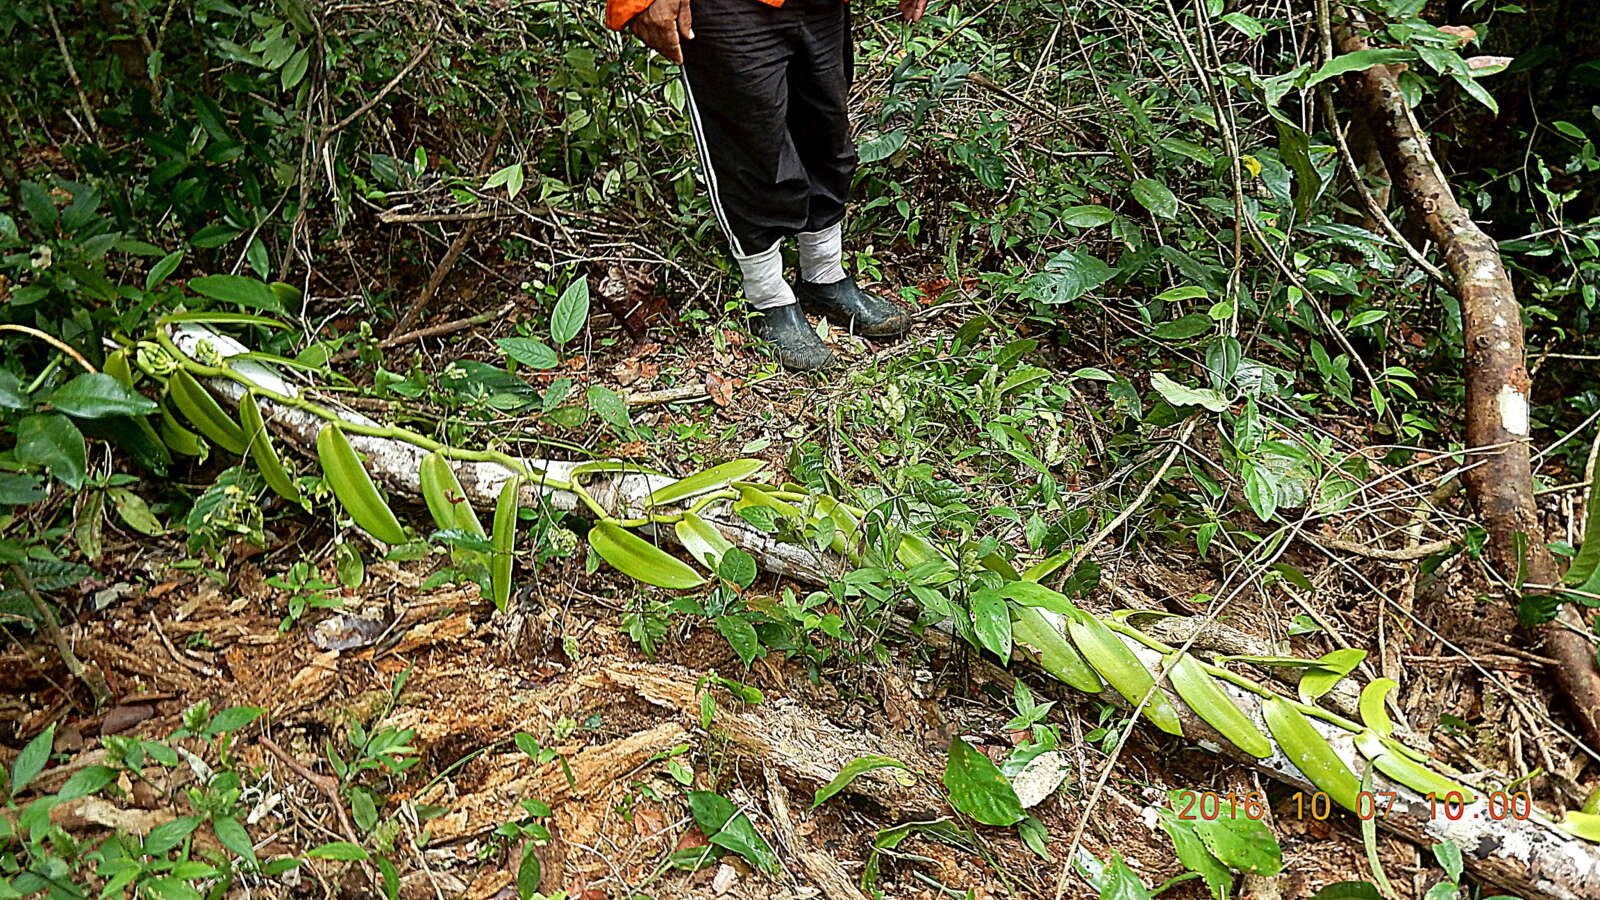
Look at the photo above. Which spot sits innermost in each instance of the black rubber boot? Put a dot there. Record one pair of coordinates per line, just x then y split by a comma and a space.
848, 306
785, 327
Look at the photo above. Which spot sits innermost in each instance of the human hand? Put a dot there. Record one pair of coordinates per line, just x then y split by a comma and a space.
663, 25
911, 10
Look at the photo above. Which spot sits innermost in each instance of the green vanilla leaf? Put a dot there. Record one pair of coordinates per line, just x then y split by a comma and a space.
1207, 699
977, 787
1310, 752
1329, 671
1033, 630
711, 479
639, 559
852, 770
1123, 671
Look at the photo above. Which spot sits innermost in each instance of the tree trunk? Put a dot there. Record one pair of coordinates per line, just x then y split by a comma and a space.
1500, 480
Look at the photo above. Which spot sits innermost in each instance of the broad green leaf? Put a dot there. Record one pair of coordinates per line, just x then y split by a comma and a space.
723, 825
639, 559
1389, 758
52, 441
610, 406
852, 770
294, 69
1156, 197
167, 835
741, 636
233, 719
168, 888
1582, 824
1192, 325
11, 395
706, 544
31, 761
1359, 61
1067, 276
701, 482
1089, 216
1192, 852
1241, 842
233, 836
880, 147
978, 788
163, 268
1179, 395
95, 395
86, 781
531, 353
1329, 670
991, 620
227, 318
571, 311
240, 290
529, 873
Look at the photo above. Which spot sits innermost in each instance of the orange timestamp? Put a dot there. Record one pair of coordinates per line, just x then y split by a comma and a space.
1209, 805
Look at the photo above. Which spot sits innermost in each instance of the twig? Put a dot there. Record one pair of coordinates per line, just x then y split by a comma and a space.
72, 70
89, 675
457, 247
669, 395
382, 92
324, 783
442, 328
1404, 554
389, 217
53, 341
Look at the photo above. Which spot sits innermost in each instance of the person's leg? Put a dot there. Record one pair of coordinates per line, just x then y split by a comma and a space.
736, 72
819, 124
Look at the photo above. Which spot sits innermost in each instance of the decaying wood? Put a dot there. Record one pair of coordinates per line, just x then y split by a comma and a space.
1500, 482
1529, 858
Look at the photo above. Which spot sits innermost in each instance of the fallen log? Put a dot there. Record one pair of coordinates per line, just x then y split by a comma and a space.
1500, 481
1531, 857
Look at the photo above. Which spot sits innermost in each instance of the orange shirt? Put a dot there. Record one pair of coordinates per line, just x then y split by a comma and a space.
618, 12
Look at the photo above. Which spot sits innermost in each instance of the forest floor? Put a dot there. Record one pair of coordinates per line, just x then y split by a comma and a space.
628, 730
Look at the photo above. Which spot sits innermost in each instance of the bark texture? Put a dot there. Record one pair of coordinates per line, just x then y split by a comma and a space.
1529, 858
1500, 481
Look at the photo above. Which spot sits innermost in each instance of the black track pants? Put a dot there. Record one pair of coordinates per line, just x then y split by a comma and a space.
767, 91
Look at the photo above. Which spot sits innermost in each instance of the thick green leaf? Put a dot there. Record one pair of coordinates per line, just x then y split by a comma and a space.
701, 482
639, 559
571, 311
529, 873
852, 770
95, 395
1310, 752
978, 788
167, 835
1388, 757
1192, 325
52, 441
1067, 276
163, 268
1582, 825
240, 290
1123, 671
1373, 713
1329, 671
1057, 656
706, 545
1155, 196
1348, 890
31, 761
1208, 700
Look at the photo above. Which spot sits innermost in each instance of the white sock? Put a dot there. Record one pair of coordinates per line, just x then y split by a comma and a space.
822, 254
764, 286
